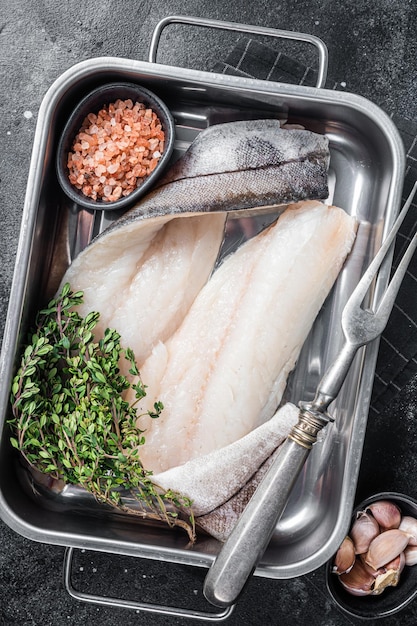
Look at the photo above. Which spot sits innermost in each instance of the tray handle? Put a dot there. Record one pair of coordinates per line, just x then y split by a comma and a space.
244, 28
133, 604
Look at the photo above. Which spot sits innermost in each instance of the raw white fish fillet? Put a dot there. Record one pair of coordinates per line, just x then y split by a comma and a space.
143, 278
223, 372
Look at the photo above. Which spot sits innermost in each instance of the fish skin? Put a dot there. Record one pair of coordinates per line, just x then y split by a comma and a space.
220, 522
214, 479
246, 145
241, 165
224, 370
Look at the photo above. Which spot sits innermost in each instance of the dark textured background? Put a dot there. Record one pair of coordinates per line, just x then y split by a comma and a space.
372, 49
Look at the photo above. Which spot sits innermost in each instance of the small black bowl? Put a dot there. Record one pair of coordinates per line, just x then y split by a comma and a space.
392, 599
92, 103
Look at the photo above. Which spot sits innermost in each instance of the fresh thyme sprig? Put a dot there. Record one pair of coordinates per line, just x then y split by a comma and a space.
70, 419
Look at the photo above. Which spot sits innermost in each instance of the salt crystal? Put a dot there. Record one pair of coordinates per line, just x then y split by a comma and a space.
28, 114
99, 170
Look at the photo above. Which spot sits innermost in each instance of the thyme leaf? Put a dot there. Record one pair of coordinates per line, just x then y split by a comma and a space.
70, 418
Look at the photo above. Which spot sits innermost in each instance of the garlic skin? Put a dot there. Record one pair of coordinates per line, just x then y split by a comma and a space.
397, 564
387, 514
358, 581
409, 526
390, 578
345, 557
386, 547
391, 575
410, 554
365, 528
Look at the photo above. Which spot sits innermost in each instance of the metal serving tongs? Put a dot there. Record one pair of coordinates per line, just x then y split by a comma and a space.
246, 544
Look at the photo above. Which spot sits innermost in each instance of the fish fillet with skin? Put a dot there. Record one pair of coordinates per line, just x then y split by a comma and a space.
143, 272
240, 165
203, 479
224, 370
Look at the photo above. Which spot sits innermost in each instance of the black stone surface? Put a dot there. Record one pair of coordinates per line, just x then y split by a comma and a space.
372, 48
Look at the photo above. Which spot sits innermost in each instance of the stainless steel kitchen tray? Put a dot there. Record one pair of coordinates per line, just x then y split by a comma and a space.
366, 174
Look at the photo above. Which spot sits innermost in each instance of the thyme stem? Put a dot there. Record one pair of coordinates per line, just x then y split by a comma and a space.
70, 419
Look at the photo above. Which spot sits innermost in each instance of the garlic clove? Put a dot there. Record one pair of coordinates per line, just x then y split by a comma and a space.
345, 557
386, 547
358, 581
387, 514
409, 526
410, 554
364, 529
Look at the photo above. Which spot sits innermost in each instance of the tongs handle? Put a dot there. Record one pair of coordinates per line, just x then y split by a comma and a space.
250, 537
237, 560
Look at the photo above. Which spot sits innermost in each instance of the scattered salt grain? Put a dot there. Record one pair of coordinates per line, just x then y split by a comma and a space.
27, 114
343, 84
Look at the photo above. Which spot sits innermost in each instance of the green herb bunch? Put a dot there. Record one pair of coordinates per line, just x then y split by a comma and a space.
70, 419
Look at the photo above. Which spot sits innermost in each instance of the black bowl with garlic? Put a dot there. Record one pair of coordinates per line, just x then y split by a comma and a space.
374, 572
